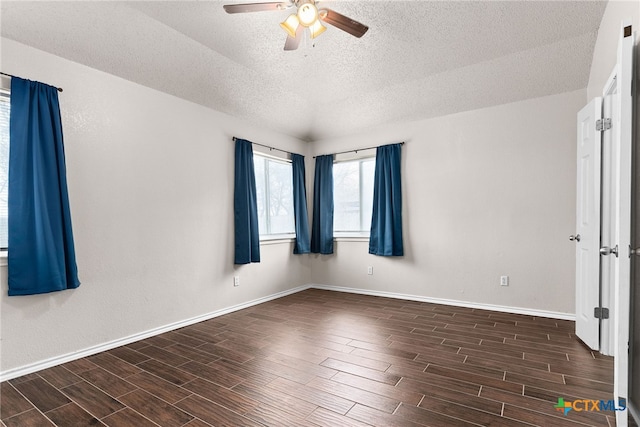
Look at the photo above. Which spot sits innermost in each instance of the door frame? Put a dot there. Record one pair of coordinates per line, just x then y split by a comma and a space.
608, 213
622, 284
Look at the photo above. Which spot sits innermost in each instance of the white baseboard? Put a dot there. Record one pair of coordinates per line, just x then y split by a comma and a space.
482, 306
57, 360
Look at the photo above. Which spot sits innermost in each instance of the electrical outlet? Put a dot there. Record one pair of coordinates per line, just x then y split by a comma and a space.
504, 280
370, 270
236, 280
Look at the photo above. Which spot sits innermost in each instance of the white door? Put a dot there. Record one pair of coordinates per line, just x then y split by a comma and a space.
616, 232
587, 237
622, 270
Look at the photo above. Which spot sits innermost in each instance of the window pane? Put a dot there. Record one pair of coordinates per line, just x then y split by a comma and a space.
4, 168
281, 197
346, 196
274, 193
259, 165
353, 195
368, 172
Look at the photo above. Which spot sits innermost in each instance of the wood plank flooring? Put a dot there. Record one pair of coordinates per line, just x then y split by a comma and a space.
320, 358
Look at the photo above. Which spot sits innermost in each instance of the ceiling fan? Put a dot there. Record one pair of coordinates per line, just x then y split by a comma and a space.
307, 16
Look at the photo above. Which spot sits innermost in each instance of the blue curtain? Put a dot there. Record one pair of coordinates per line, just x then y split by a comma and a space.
245, 206
386, 222
41, 251
322, 227
302, 245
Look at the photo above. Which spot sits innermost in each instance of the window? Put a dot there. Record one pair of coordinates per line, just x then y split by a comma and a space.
274, 188
4, 167
353, 195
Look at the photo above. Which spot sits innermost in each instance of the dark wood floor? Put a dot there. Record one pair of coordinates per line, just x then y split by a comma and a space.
319, 358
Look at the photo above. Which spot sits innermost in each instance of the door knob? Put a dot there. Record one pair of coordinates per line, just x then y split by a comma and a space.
605, 250
633, 251
574, 238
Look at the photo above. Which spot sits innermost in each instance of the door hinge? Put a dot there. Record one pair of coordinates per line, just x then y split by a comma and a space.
600, 313
603, 124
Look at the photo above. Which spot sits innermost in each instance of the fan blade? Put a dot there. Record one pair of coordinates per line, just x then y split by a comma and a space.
342, 22
293, 43
255, 7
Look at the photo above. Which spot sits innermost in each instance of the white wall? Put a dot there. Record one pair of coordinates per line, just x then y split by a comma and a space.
486, 193
151, 188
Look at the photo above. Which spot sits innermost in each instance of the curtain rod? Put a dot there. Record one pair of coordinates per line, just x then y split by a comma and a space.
356, 150
266, 146
11, 75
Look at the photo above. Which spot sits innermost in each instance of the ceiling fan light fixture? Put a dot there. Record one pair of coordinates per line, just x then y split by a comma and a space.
290, 25
316, 29
307, 14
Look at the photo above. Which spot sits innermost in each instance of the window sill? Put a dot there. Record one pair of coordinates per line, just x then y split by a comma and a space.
351, 237
276, 239
3, 258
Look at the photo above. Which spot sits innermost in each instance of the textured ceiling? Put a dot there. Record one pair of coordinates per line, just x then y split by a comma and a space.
419, 59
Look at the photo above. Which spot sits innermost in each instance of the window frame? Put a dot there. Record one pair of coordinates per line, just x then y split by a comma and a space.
268, 237
355, 235
5, 96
